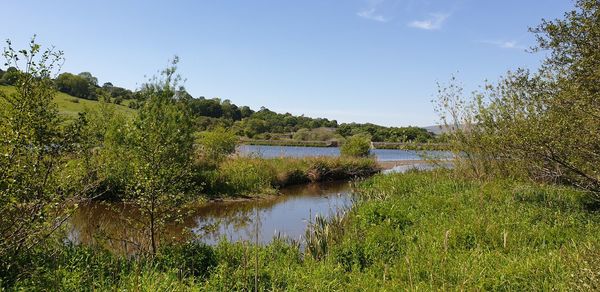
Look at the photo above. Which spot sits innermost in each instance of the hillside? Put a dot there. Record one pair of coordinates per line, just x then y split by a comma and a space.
69, 106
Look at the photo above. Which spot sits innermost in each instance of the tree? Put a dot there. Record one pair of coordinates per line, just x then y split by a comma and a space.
87, 76
33, 150
9, 77
161, 144
75, 85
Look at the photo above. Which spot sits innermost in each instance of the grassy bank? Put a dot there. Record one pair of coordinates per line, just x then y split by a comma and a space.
70, 106
412, 146
416, 231
250, 175
376, 145
290, 143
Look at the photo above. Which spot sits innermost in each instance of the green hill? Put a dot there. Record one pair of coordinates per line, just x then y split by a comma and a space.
69, 106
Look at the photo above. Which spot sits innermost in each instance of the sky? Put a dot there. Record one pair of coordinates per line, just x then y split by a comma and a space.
372, 61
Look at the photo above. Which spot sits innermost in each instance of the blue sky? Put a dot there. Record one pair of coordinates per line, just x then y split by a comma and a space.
357, 60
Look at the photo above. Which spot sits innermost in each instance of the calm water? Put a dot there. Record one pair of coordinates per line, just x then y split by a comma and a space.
114, 225
296, 151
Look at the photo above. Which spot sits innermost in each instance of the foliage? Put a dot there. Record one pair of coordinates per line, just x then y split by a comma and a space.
76, 85
191, 259
9, 77
541, 125
216, 145
33, 150
318, 134
386, 134
161, 144
356, 146
250, 176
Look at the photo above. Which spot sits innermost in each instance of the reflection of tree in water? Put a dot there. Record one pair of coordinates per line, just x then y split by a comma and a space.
117, 226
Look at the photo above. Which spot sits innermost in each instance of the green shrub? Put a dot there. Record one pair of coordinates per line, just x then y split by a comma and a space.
356, 146
215, 145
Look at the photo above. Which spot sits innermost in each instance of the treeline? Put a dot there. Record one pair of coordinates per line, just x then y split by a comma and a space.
215, 113
83, 85
212, 113
386, 134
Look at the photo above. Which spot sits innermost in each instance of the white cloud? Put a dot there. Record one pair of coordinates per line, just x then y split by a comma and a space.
510, 44
435, 21
371, 14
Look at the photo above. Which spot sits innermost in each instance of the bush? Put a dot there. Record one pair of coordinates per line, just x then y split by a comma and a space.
216, 145
356, 146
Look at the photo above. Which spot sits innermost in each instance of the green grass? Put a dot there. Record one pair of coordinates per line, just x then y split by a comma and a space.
414, 231
70, 106
289, 142
252, 175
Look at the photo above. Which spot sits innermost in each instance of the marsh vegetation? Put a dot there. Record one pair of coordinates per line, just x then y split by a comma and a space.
518, 210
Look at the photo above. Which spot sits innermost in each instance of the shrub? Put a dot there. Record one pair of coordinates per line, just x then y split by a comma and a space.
356, 146
215, 145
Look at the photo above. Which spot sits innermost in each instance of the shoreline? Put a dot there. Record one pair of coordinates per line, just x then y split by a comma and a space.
383, 165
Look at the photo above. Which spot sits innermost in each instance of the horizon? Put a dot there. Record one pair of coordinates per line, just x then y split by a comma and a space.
359, 61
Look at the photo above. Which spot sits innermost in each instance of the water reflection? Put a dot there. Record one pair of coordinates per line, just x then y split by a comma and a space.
117, 226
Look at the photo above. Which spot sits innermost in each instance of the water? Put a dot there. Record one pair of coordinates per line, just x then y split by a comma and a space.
114, 225
297, 151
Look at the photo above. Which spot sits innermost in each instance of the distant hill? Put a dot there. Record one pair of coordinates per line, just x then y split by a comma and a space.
70, 106
439, 129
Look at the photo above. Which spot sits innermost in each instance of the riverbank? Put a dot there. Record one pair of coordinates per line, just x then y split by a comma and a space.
419, 230
253, 176
376, 145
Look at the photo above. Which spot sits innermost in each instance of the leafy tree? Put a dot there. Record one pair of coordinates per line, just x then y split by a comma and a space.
89, 78
356, 146
161, 148
9, 77
245, 112
75, 85
33, 149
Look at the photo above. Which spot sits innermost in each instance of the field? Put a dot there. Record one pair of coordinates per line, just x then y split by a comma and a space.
69, 106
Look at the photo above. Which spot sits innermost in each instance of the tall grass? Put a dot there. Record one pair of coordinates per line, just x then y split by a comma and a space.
250, 175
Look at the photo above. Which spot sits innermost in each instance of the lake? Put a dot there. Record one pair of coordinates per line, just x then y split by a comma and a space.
299, 151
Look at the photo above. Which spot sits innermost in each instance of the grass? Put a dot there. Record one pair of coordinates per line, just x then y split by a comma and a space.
251, 175
289, 142
413, 231
70, 106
